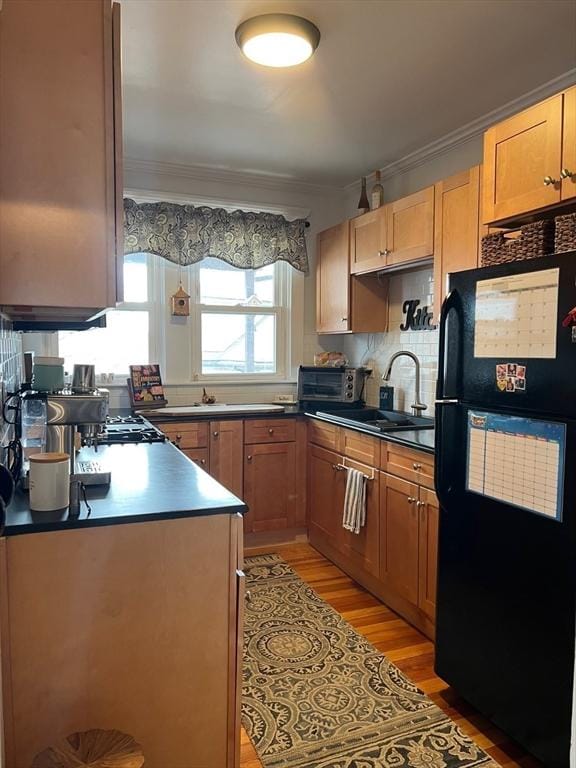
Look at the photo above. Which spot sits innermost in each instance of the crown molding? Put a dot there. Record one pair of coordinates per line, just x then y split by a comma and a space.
222, 176
473, 129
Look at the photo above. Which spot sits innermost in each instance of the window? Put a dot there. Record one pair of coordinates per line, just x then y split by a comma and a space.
239, 328
125, 340
241, 318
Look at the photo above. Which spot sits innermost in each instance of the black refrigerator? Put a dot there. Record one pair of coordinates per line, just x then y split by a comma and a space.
506, 482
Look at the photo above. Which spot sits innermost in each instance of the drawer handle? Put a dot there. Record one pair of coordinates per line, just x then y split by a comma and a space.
417, 466
270, 431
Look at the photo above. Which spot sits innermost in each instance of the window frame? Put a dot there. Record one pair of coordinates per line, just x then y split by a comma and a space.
281, 310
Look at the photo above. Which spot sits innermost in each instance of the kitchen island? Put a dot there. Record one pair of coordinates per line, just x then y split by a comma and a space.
128, 618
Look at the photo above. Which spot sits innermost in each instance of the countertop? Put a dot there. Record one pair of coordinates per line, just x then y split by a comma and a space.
421, 439
149, 482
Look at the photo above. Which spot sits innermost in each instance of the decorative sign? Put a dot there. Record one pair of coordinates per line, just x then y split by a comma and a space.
145, 386
417, 319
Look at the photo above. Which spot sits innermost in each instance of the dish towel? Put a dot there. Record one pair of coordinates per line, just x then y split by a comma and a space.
354, 501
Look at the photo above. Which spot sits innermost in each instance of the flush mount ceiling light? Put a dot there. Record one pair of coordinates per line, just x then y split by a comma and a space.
277, 39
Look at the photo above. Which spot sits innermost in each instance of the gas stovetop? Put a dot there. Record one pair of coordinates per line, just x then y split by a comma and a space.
129, 429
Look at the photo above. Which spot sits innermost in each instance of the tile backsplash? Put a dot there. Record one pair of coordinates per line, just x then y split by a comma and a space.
10, 371
375, 350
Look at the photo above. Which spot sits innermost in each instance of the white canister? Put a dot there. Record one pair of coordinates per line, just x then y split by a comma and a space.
49, 481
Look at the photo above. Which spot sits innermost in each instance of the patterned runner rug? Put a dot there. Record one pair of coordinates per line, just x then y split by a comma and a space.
316, 694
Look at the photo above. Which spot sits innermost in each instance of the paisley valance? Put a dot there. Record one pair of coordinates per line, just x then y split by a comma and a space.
186, 234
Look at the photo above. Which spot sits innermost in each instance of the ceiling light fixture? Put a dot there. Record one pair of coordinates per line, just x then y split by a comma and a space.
277, 39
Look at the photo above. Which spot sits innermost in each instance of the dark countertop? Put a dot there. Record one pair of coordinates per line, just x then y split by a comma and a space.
421, 439
159, 417
149, 482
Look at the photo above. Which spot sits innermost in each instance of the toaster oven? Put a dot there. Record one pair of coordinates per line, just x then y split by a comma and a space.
341, 385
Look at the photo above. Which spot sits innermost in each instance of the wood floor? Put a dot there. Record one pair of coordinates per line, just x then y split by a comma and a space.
400, 642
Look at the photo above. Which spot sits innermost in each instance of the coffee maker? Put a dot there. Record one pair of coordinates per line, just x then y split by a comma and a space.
64, 423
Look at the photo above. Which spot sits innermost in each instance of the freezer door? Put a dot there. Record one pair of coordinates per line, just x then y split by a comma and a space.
515, 350
505, 630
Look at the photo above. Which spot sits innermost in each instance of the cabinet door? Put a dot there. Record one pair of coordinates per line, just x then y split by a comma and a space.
325, 496
58, 187
569, 144
411, 227
361, 549
226, 454
399, 536
456, 228
519, 154
200, 456
428, 566
368, 241
270, 486
332, 280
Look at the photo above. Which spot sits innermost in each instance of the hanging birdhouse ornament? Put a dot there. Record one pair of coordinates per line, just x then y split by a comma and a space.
180, 303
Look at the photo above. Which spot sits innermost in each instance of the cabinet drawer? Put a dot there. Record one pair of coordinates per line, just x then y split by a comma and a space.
416, 466
200, 456
363, 448
186, 434
269, 431
324, 434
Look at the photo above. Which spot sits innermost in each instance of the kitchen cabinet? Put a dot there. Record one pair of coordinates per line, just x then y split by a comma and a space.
399, 542
410, 230
345, 304
226, 454
568, 172
61, 186
456, 228
395, 554
368, 241
270, 488
523, 159
397, 233
325, 498
429, 514
128, 627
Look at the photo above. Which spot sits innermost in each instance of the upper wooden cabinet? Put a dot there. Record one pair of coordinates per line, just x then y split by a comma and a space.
524, 157
456, 228
368, 241
399, 232
410, 230
61, 219
345, 304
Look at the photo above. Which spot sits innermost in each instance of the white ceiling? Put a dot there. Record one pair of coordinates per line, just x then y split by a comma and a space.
389, 77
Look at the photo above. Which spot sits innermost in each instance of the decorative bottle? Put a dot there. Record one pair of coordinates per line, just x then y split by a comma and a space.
377, 194
363, 204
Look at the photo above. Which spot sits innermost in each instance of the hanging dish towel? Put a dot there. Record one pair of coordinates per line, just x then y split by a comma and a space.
354, 501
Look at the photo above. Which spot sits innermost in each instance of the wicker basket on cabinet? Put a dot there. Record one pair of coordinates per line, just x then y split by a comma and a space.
534, 240
565, 233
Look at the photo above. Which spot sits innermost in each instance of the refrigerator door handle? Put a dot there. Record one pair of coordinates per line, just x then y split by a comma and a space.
447, 452
452, 302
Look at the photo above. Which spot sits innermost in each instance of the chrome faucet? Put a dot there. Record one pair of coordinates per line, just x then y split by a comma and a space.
418, 406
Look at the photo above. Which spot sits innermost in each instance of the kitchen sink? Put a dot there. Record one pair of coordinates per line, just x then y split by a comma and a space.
378, 420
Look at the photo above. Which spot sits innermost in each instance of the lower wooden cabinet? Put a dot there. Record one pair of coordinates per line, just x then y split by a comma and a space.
429, 514
226, 451
200, 456
399, 536
270, 486
325, 496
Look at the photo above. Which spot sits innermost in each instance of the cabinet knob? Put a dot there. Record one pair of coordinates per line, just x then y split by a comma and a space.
566, 174
215, 434
417, 466
410, 499
420, 504
344, 319
178, 438
270, 431
549, 181
248, 458
202, 461
385, 252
